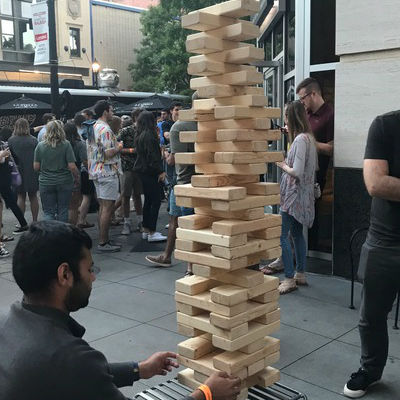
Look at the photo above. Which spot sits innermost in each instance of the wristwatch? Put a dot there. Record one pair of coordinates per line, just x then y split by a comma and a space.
136, 375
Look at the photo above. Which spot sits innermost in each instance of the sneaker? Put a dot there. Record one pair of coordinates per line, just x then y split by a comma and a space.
20, 229
277, 265
126, 230
145, 235
357, 385
167, 226
156, 237
159, 260
108, 248
300, 279
4, 252
287, 285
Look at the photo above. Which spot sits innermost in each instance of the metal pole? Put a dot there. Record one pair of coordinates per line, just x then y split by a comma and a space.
55, 95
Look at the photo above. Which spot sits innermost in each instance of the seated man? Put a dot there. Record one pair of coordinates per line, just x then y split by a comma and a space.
42, 353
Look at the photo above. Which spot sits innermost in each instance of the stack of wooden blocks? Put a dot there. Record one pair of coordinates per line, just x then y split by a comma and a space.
227, 309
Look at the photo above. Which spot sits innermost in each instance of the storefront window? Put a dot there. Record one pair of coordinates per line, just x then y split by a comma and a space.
26, 37
75, 42
6, 7
7, 34
290, 90
268, 48
290, 36
278, 38
26, 9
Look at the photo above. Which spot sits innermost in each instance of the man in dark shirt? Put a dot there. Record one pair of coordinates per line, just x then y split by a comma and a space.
42, 353
380, 255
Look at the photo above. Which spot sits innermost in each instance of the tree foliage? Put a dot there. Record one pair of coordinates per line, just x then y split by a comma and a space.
161, 64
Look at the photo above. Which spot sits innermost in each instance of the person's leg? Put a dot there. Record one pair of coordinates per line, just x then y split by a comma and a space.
155, 199
137, 198
147, 202
33, 200
287, 255
296, 230
107, 208
9, 199
73, 207
48, 196
21, 201
64, 194
84, 209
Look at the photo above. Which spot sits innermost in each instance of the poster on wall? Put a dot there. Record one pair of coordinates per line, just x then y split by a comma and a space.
40, 20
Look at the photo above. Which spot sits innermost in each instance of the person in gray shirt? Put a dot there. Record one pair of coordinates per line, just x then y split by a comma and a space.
42, 353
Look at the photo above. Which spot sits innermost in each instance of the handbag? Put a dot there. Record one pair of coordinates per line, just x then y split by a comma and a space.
16, 179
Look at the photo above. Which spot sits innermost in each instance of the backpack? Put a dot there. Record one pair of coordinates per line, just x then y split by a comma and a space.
88, 130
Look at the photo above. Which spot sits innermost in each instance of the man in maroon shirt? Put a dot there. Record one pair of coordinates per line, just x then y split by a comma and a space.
321, 117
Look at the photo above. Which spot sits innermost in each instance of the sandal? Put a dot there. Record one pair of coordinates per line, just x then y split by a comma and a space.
269, 271
5, 238
287, 285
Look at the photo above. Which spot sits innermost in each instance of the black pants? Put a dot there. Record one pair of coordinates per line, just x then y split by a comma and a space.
380, 269
152, 201
9, 198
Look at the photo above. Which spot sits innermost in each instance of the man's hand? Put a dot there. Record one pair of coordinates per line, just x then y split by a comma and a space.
161, 177
5, 153
158, 364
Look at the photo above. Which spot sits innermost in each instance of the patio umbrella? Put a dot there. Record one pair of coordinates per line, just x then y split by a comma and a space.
25, 104
155, 102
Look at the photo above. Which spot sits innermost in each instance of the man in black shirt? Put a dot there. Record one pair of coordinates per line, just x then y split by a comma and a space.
42, 353
380, 255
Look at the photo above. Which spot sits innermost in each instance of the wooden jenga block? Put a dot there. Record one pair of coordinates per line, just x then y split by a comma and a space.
248, 100
252, 246
259, 344
270, 283
242, 169
246, 54
187, 309
189, 331
196, 115
203, 301
186, 377
203, 43
195, 221
247, 215
193, 284
249, 201
202, 21
262, 188
270, 233
189, 245
243, 135
268, 377
208, 181
195, 136
267, 297
241, 30
198, 376
191, 202
271, 318
221, 193
206, 258
242, 112
207, 236
242, 157
272, 253
228, 295
256, 367
194, 158
239, 78
235, 227
257, 146
251, 123
195, 348
234, 8
219, 91
202, 322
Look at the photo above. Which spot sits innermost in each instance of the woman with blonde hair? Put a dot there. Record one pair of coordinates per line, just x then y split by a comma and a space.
297, 195
22, 145
55, 161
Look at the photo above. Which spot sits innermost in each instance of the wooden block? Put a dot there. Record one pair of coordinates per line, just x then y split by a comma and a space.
271, 359
206, 258
199, 377
272, 317
193, 284
241, 30
267, 342
196, 115
195, 136
242, 157
189, 245
195, 348
240, 78
243, 135
192, 202
189, 331
211, 67
186, 377
221, 193
262, 188
234, 8
243, 55
256, 331
267, 297
245, 100
202, 21
207, 236
202, 322
208, 181
253, 311
219, 91
273, 156
270, 233
249, 201
270, 283
246, 215
254, 259
251, 123
203, 301
203, 43
239, 169
235, 227
268, 377
195, 221
272, 253
252, 246
187, 309
231, 146
194, 158
242, 112
256, 367
228, 295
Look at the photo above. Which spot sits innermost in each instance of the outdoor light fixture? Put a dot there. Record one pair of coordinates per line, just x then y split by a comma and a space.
95, 70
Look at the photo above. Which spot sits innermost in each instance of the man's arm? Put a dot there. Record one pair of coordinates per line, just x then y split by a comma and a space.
378, 181
325, 148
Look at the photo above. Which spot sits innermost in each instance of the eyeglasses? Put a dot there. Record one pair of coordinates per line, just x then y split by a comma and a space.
303, 97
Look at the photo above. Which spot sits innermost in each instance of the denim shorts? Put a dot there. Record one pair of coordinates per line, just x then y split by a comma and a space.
175, 210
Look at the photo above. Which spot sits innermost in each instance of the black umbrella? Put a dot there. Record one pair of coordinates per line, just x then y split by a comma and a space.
25, 103
118, 107
155, 102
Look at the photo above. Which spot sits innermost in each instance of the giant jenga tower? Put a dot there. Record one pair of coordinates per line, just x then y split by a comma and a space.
227, 309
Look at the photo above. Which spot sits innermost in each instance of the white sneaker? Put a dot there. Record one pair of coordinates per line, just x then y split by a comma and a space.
156, 237
145, 235
108, 248
126, 230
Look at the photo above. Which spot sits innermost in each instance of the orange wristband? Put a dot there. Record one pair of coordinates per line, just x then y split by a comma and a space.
131, 150
206, 390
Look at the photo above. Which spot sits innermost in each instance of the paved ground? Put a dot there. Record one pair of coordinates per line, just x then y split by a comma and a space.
132, 314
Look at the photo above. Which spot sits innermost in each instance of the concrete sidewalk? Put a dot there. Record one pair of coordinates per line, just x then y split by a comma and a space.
131, 314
